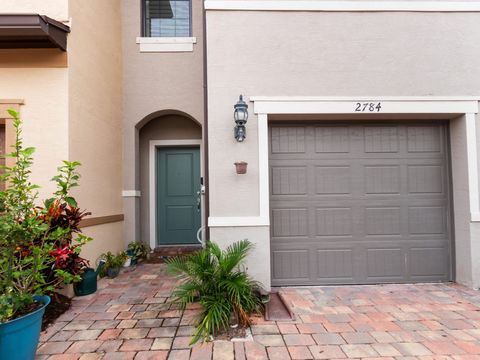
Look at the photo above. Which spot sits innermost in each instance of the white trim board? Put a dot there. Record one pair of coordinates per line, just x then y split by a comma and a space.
472, 168
344, 105
345, 6
153, 145
131, 193
166, 44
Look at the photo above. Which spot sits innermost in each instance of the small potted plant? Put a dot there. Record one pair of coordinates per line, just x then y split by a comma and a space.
138, 251
112, 263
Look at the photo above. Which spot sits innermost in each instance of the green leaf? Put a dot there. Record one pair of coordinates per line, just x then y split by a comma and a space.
13, 113
71, 201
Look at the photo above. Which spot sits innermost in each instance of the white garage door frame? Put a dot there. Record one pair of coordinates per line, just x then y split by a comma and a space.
461, 110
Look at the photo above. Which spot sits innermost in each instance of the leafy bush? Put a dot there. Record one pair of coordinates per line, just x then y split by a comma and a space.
216, 279
138, 250
112, 261
39, 246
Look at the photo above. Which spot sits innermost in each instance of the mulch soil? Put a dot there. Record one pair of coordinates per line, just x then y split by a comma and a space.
58, 305
230, 333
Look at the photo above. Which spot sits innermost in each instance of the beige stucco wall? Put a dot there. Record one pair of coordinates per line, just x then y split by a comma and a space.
167, 127
106, 237
154, 82
329, 54
95, 111
56, 9
45, 117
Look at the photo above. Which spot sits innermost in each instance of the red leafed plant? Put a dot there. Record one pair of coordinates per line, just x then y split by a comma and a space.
63, 217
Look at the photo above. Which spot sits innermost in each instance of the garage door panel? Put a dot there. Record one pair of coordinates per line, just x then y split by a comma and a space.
289, 222
427, 220
428, 262
334, 221
332, 180
381, 139
289, 180
332, 139
426, 179
361, 203
386, 264
291, 265
424, 139
288, 140
383, 220
335, 265
382, 179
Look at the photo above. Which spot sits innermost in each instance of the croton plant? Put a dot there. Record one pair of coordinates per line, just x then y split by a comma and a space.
40, 242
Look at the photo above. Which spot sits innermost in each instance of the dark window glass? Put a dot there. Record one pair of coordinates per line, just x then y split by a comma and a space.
167, 18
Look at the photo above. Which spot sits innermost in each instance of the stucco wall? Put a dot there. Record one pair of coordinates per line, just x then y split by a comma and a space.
158, 81
257, 263
45, 117
95, 111
461, 204
56, 9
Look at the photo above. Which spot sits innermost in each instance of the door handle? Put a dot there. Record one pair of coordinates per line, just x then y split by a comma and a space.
199, 200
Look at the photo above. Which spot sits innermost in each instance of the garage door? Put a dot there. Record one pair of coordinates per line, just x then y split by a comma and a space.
359, 203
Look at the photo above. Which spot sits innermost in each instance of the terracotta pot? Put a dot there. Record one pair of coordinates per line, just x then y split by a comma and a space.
241, 167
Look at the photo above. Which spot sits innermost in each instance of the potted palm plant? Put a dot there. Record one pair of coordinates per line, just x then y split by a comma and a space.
28, 244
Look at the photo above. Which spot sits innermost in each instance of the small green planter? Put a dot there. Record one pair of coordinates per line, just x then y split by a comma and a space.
88, 284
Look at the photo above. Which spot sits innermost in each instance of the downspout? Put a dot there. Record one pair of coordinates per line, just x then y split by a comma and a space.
205, 125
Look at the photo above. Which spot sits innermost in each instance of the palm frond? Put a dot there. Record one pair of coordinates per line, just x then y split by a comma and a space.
216, 279
235, 254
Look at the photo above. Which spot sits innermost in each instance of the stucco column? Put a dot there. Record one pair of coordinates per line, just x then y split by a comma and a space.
131, 192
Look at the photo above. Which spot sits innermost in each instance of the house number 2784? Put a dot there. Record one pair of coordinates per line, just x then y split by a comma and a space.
368, 107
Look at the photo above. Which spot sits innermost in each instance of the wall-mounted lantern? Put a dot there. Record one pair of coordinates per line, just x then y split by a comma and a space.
241, 116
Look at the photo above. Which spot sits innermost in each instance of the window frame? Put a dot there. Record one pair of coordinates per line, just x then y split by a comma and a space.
143, 30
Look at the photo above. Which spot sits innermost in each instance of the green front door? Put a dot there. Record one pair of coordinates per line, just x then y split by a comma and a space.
178, 199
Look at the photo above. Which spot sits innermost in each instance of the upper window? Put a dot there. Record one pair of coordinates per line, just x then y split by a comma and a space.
167, 18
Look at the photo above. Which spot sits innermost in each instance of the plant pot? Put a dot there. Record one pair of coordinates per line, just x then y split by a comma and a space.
88, 284
19, 337
127, 262
113, 272
241, 167
134, 261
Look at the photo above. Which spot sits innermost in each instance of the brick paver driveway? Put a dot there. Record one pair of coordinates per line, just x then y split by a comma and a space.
128, 318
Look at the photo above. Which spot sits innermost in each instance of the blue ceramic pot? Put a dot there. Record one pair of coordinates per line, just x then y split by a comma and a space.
19, 337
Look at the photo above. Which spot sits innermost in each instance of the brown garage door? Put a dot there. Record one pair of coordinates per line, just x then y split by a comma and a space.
359, 204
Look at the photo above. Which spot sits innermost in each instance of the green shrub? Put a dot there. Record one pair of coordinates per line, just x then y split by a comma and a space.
138, 250
112, 261
39, 245
217, 280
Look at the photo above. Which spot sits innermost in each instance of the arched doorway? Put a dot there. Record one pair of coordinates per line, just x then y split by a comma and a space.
171, 179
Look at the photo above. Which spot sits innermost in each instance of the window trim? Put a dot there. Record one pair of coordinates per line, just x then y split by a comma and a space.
166, 44
144, 22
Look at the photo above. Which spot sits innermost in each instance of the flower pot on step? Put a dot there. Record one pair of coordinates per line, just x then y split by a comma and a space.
19, 337
113, 272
